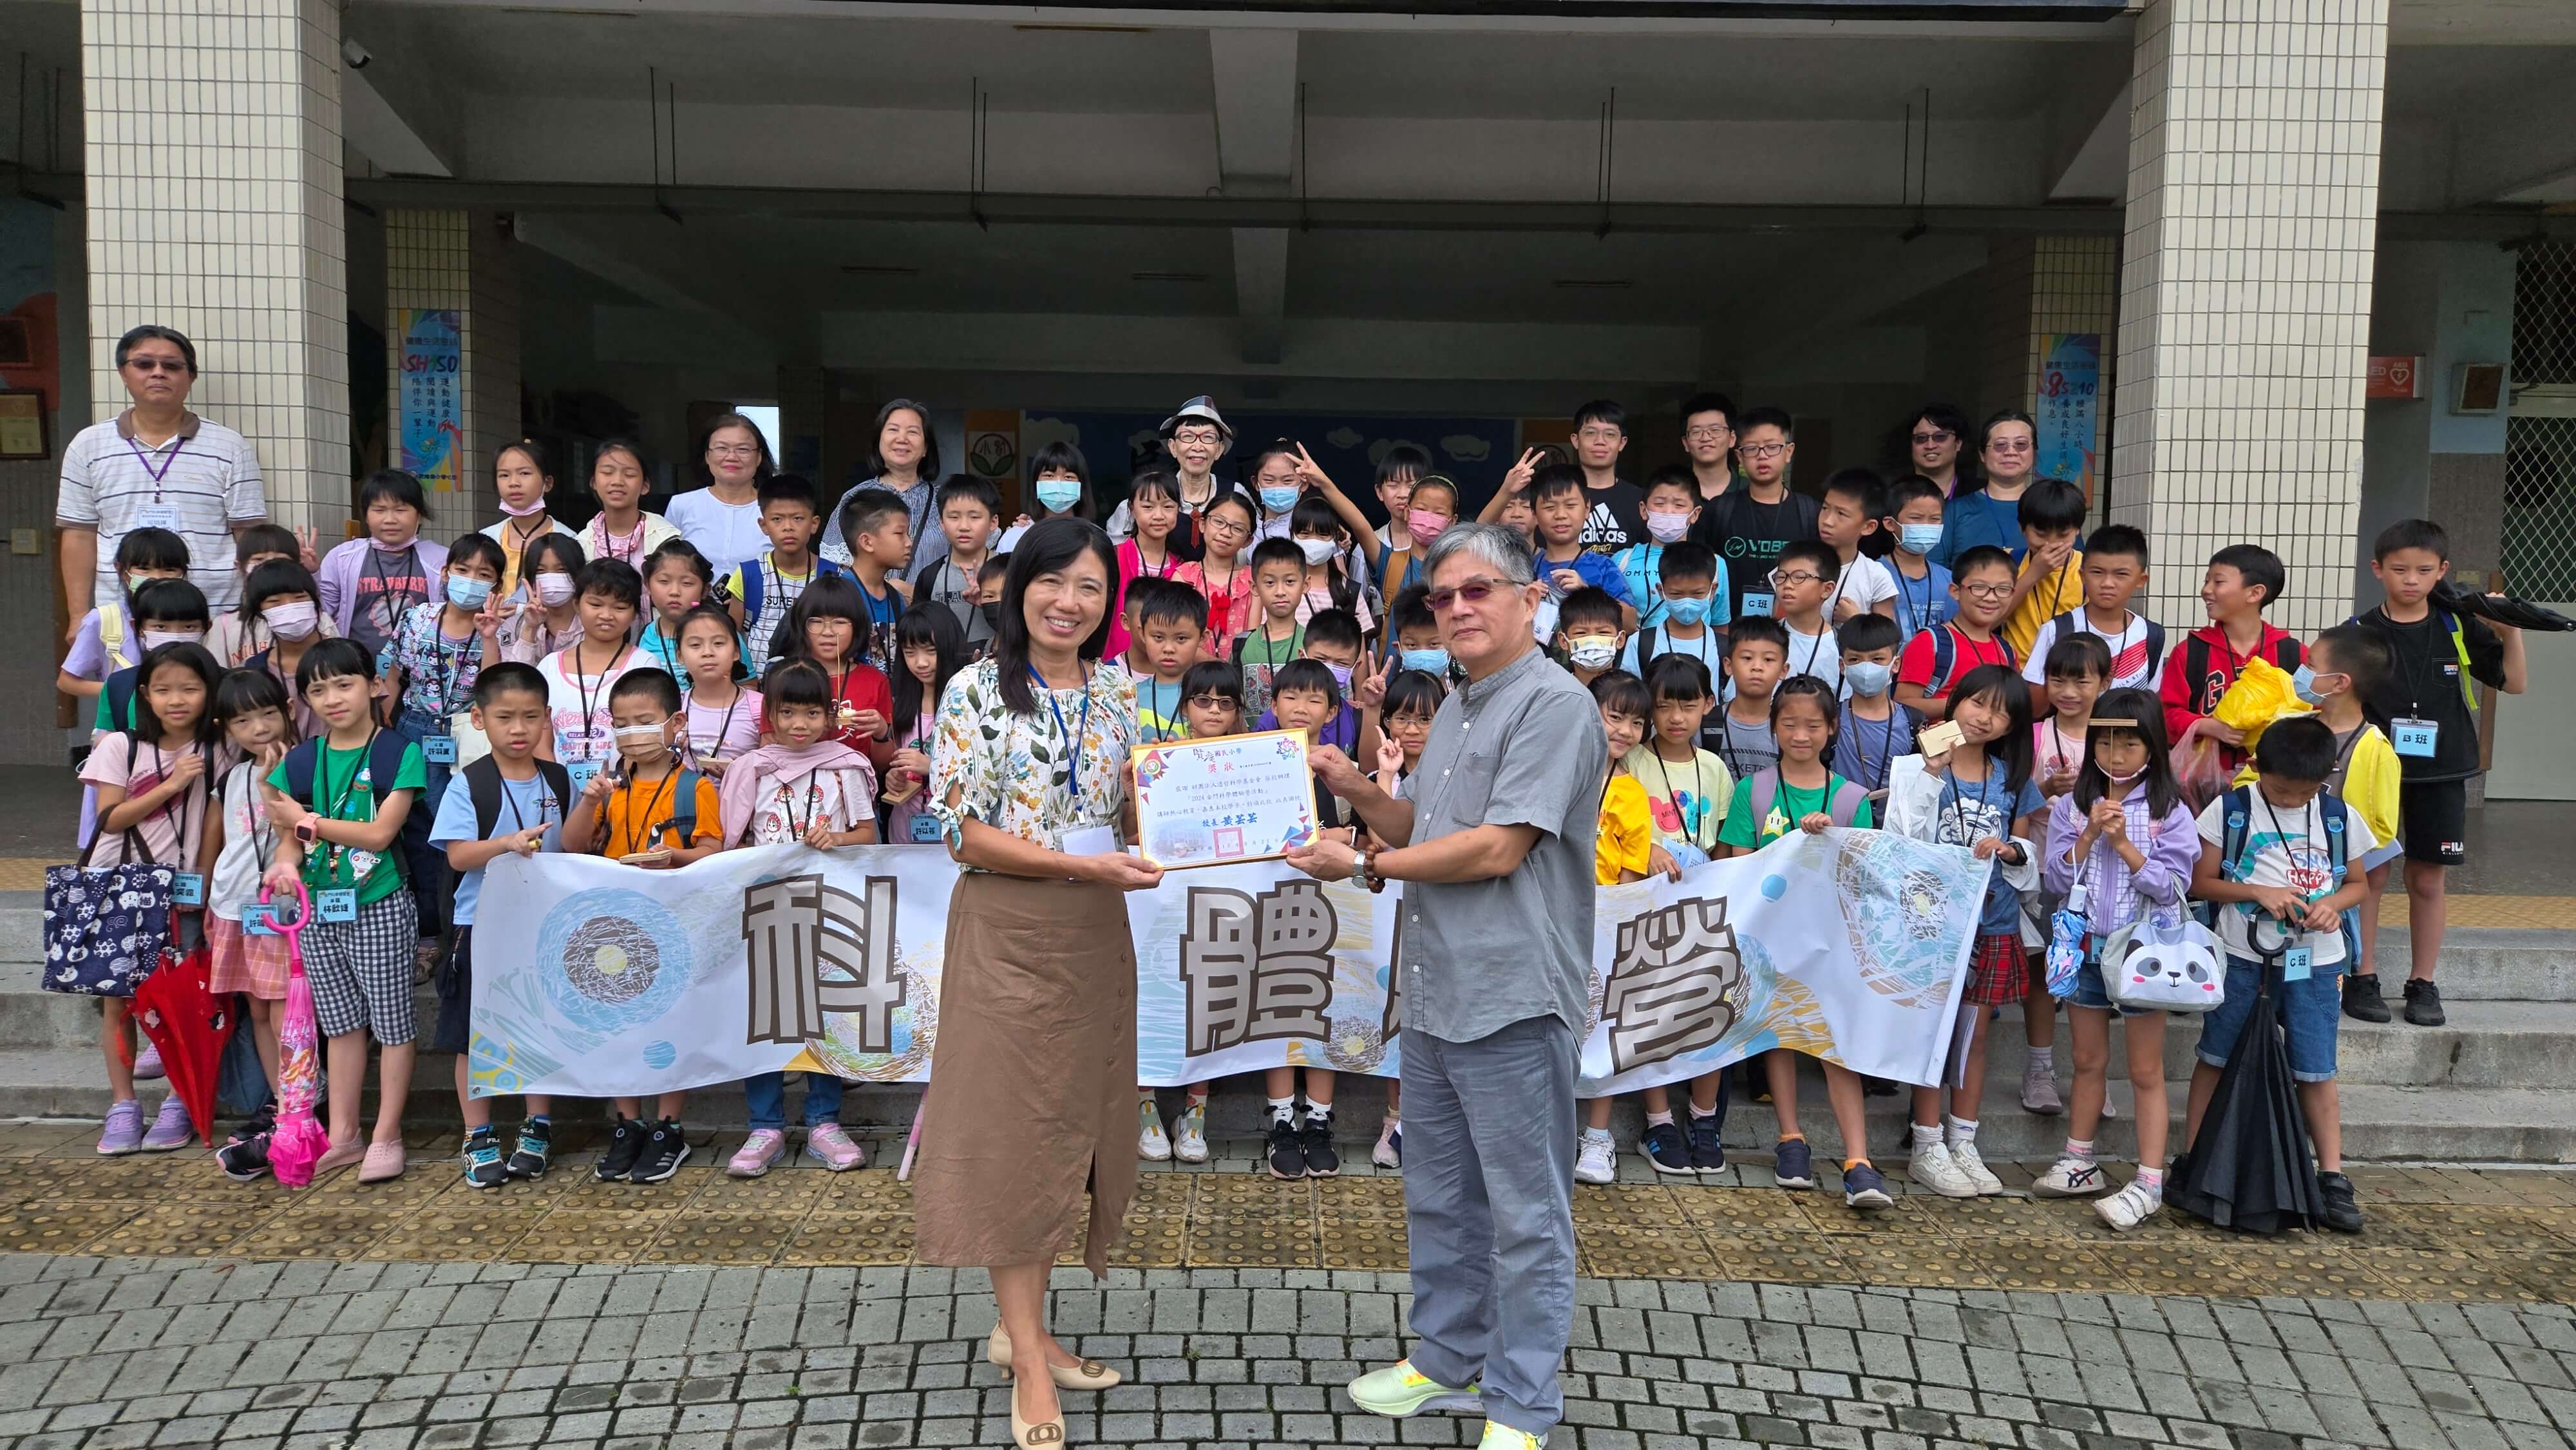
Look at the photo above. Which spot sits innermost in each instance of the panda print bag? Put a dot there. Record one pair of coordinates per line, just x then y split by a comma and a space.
2164, 961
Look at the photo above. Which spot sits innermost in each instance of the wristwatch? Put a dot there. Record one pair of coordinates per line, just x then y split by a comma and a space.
309, 830
1360, 874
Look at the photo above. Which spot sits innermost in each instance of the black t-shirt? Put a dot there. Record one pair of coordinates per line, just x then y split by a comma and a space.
2424, 684
1748, 537
1616, 517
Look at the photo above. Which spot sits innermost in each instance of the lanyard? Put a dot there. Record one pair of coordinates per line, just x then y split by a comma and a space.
2307, 832
144, 456
778, 594
1860, 745
451, 664
1917, 617
605, 547
1151, 691
1958, 810
2414, 666
813, 802
518, 821
175, 809
652, 828
1650, 567
1145, 569
1699, 777
589, 694
339, 803
1816, 644
1072, 742
385, 583
714, 747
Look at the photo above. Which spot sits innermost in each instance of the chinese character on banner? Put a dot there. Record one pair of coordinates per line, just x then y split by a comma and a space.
1256, 968
814, 949
2070, 388
1673, 978
431, 430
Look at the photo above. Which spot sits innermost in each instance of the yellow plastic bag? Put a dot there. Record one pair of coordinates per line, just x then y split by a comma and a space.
2261, 694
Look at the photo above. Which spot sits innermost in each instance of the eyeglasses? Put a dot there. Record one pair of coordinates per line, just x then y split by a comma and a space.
1938, 435
733, 450
1763, 450
1600, 435
1474, 591
1214, 702
157, 364
1802, 576
2008, 445
1705, 432
1986, 591
1197, 435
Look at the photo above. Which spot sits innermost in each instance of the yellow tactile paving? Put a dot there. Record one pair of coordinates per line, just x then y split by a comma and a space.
2526, 913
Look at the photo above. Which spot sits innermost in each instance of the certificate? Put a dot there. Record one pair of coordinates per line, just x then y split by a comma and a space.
1225, 799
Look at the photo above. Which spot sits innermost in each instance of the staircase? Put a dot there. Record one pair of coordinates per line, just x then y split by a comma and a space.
2488, 1087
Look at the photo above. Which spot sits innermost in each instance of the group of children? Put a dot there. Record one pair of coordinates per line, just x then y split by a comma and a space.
631, 699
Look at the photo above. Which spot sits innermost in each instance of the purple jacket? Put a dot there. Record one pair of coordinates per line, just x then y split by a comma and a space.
356, 576
2171, 846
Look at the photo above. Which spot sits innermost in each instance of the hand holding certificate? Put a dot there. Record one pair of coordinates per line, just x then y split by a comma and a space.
1224, 799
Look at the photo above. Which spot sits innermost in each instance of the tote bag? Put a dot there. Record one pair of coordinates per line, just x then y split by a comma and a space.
105, 926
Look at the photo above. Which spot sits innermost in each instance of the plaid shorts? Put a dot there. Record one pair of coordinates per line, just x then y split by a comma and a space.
362, 970
1997, 972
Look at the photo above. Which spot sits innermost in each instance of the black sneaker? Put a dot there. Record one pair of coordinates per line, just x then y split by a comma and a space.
483, 1167
2424, 1004
1707, 1155
1794, 1164
664, 1152
245, 1161
2343, 1210
1666, 1150
1878, 1087
258, 1125
2361, 999
1315, 1144
535, 1151
1287, 1154
624, 1147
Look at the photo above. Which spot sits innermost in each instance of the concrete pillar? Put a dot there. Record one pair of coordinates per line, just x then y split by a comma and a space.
2245, 290
444, 266
212, 170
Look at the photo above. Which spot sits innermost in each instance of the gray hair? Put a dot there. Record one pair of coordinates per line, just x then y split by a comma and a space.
1491, 544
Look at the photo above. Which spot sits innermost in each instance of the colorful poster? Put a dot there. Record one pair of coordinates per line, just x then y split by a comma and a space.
2070, 397
432, 425
1850, 945
1226, 799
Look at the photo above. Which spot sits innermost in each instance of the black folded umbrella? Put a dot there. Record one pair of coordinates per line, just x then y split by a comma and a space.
2503, 609
2252, 1166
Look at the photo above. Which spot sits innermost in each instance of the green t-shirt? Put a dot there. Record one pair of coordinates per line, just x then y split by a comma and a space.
346, 791
1789, 805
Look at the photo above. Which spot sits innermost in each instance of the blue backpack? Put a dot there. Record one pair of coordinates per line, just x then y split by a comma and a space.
2234, 850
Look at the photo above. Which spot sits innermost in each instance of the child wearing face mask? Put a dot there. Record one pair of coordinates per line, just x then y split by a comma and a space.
1417, 633
1923, 600
1672, 506
1060, 483
1324, 540
1332, 640
369, 583
544, 618
1873, 730
1430, 507
429, 668
288, 602
239, 633
1590, 626
522, 477
103, 644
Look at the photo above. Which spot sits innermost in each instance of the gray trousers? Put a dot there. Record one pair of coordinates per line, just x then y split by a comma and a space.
1489, 1212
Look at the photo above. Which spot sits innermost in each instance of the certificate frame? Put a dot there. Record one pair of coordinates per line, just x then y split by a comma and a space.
1174, 831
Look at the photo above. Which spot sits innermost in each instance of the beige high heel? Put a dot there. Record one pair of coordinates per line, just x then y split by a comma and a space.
1043, 1433
1091, 1374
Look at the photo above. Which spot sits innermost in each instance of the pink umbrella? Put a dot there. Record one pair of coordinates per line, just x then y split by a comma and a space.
299, 1140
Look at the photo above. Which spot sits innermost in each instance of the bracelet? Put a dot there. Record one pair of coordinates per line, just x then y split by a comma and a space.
1368, 859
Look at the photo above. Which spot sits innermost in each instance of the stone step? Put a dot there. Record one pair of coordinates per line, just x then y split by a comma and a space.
2483, 1044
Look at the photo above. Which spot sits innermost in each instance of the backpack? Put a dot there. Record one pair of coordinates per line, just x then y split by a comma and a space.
111, 636
2239, 835
483, 784
753, 572
2195, 662
1945, 658
2069, 625
1842, 805
119, 696
384, 762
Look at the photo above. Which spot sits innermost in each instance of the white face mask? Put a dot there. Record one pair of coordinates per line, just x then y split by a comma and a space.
1593, 654
553, 589
291, 621
155, 638
1317, 550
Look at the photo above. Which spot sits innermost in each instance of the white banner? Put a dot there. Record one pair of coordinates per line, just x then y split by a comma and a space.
593, 979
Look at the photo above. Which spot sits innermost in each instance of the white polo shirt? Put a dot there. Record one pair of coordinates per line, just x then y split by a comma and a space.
198, 485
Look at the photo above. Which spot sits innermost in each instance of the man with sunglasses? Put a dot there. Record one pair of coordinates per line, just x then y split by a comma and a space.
1493, 849
1749, 525
155, 466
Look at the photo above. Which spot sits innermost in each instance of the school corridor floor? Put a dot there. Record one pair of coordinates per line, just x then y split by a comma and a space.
148, 1302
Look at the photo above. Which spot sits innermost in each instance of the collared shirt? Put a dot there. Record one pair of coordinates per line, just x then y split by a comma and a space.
200, 482
1521, 747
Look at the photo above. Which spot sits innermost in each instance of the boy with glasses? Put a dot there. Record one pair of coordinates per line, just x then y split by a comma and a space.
1614, 515
1982, 584
1748, 526
1708, 436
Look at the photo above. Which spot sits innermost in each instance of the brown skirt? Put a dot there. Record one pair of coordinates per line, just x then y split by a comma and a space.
1033, 1077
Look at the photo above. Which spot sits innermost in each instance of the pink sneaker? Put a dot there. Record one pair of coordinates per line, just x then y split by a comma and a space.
171, 1129
764, 1147
828, 1142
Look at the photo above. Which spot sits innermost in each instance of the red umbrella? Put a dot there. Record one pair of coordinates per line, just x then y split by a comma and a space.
190, 1025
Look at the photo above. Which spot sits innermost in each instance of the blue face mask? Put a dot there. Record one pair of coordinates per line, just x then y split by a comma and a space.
1867, 677
467, 593
1429, 661
1918, 538
2304, 680
1686, 612
1055, 495
1279, 500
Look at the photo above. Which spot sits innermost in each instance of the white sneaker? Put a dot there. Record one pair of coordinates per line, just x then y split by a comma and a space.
1596, 1160
1151, 1145
2129, 1207
1934, 1168
1189, 1136
1964, 1157
2070, 1178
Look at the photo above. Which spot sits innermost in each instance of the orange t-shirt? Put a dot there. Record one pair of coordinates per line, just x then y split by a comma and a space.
643, 815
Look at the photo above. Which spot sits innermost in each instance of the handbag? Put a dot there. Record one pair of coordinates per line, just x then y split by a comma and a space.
105, 926
2067, 928
2164, 961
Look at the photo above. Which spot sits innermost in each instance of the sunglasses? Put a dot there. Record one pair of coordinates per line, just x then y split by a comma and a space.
157, 364
1474, 591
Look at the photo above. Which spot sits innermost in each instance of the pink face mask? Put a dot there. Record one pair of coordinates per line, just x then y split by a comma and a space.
1666, 525
1425, 525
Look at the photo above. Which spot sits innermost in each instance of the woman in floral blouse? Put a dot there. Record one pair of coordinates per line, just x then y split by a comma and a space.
1033, 1073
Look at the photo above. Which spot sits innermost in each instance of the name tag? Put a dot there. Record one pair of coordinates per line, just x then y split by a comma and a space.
160, 516
579, 772
1757, 603
2295, 965
187, 888
259, 918
925, 830
439, 749
338, 903
2414, 738
1090, 841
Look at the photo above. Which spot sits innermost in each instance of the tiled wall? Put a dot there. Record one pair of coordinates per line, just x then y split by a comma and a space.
459, 260
2245, 289
211, 141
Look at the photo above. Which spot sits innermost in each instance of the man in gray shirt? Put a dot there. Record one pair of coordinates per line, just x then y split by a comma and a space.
1493, 969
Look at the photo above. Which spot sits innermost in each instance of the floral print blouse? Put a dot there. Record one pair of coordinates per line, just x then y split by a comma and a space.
1013, 772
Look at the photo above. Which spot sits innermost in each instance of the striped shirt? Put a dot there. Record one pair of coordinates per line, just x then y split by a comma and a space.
198, 484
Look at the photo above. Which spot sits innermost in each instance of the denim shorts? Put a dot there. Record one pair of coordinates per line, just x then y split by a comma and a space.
2089, 991
2310, 1011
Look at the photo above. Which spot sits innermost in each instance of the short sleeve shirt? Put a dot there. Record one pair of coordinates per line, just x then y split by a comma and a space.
2286, 848
1598, 570
1522, 746
1972, 810
1614, 517
1921, 603
2132, 667
1864, 581
1688, 802
344, 787
1039, 775
579, 703
2056, 591
838, 799
644, 815
1915, 665
1789, 805
1627, 831
170, 834
198, 484
724, 532
438, 672
524, 803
